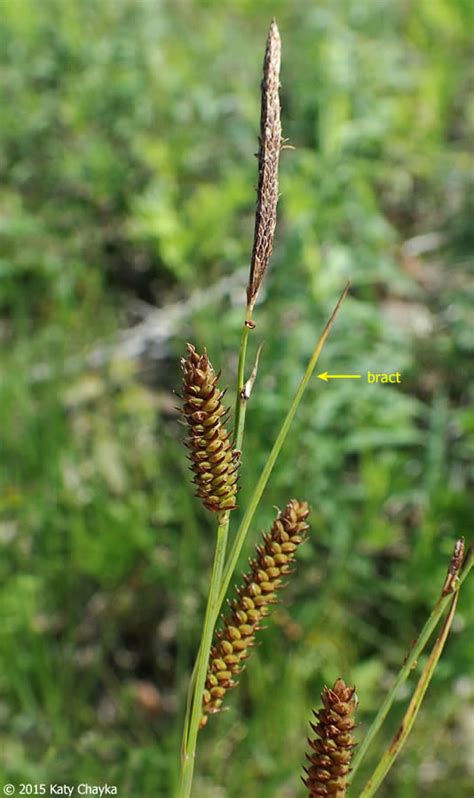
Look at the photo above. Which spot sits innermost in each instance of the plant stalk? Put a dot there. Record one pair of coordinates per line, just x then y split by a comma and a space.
406, 726
410, 663
189, 703
241, 400
191, 729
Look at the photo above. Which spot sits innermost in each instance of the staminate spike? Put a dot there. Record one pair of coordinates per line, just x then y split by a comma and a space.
268, 161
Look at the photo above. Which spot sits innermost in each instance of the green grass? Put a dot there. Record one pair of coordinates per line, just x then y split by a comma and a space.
127, 159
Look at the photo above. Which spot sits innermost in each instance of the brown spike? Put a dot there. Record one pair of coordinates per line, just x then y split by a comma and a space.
253, 597
208, 441
268, 161
331, 750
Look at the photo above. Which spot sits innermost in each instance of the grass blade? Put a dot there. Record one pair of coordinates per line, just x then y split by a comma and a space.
453, 582
406, 726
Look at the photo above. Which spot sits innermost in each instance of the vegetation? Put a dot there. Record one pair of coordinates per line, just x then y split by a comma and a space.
126, 142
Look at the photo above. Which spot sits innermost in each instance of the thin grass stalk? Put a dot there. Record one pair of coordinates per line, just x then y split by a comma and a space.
241, 534
189, 703
241, 399
406, 726
188, 750
411, 660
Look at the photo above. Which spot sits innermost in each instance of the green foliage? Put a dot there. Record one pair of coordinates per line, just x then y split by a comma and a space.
126, 143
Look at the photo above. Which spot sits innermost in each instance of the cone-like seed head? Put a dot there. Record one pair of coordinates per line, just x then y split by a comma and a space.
271, 564
213, 460
331, 750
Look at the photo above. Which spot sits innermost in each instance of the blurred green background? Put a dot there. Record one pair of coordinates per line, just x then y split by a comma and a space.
127, 137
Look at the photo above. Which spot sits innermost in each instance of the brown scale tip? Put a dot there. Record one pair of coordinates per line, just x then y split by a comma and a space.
213, 460
268, 162
331, 749
271, 564
454, 569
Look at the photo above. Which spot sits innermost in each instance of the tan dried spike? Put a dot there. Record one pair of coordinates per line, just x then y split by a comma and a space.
233, 642
331, 754
268, 159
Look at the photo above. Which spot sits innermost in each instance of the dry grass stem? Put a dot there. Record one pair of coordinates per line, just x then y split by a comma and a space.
268, 159
331, 752
272, 562
213, 460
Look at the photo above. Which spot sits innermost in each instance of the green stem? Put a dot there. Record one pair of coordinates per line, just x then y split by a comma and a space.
241, 401
408, 665
189, 703
232, 560
406, 726
188, 751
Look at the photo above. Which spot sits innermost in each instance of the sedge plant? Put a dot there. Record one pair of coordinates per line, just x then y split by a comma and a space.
215, 446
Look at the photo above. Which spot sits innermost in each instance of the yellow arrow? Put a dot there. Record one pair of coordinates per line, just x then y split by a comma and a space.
325, 376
